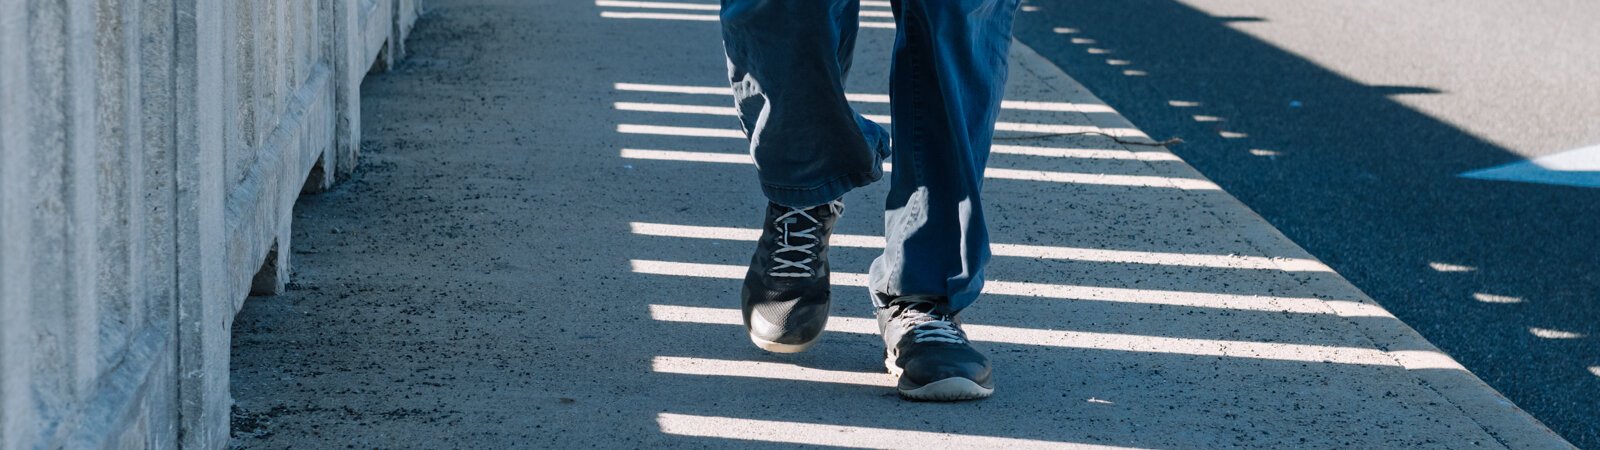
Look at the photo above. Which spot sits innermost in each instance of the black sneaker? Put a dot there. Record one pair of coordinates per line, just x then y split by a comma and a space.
930, 354
785, 295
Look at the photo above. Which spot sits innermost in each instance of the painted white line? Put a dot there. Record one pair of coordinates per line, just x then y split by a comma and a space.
846, 436
1014, 250
1580, 168
1298, 305
1078, 339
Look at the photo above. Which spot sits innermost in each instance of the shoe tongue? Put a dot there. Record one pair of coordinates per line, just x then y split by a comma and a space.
920, 306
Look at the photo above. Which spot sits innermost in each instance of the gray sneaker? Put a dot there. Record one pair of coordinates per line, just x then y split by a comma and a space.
786, 292
929, 352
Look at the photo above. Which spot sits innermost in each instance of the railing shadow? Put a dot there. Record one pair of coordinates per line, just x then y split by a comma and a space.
1501, 275
676, 135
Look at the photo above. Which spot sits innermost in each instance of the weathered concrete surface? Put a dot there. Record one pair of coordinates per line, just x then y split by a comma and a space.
150, 155
531, 259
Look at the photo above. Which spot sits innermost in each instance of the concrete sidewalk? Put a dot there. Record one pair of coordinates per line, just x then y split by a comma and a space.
544, 247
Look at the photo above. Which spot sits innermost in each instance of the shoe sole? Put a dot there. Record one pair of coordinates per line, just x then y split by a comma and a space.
948, 390
758, 322
953, 389
776, 347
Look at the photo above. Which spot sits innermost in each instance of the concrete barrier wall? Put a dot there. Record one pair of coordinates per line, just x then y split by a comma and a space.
150, 155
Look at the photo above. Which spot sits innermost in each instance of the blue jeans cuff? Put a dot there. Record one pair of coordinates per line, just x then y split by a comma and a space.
806, 197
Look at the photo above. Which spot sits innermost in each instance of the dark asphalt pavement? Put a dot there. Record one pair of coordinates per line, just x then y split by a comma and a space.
1363, 174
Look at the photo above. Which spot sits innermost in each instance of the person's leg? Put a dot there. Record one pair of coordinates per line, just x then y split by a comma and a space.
946, 84
787, 61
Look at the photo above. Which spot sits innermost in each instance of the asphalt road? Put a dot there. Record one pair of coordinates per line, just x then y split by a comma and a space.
1345, 124
544, 245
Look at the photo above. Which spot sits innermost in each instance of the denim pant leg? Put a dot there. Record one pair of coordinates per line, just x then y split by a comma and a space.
787, 61
946, 83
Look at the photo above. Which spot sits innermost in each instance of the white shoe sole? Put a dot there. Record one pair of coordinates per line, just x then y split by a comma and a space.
759, 323
946, 390
781, 348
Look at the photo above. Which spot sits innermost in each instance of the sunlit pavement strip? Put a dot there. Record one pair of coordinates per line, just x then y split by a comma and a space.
1014, 250
765, 370
1001, 173
674, 6
1409, 359
1016, 105
1580, 168
879, 118
1041, 128
839, 435
1082, 153
1347, 308
1078, 339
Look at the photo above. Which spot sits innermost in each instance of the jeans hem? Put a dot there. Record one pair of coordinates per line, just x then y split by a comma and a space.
949, 303
798, 197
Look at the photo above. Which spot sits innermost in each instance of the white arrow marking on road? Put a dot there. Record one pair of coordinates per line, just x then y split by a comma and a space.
1579, 168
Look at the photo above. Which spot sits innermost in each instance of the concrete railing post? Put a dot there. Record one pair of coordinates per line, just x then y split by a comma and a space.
204, 311
151, 152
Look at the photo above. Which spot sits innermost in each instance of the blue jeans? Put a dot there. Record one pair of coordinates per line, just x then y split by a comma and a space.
788, 59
